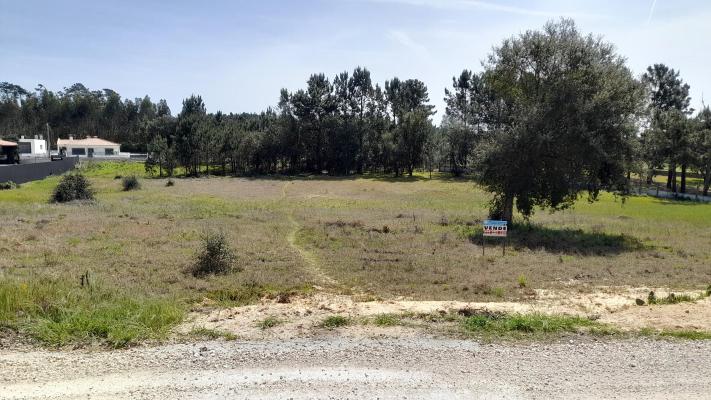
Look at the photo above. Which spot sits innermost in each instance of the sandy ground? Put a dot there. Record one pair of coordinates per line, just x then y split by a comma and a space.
299, 317
299, 360
336, 367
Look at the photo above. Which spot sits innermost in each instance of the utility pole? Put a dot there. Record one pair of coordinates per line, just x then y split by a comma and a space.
49, 141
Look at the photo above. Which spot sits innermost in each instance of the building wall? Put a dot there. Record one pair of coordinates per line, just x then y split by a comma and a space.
22, 173
36, 146
99, 151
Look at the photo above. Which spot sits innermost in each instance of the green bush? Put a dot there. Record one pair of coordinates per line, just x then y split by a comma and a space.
72, 187
8, 185
216, 256
130, 183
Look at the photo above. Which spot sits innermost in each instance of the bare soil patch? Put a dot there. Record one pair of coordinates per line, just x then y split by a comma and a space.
303, 314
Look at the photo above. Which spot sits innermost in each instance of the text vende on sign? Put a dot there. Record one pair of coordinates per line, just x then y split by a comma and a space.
495, 228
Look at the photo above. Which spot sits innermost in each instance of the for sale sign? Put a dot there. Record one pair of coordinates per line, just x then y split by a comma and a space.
495, 228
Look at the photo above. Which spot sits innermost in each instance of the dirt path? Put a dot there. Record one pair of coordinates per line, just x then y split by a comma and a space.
342, 367
308, 258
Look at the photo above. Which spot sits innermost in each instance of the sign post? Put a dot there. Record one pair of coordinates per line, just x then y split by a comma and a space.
495, 228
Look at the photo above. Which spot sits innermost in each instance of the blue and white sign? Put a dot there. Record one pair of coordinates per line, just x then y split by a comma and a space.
495, 228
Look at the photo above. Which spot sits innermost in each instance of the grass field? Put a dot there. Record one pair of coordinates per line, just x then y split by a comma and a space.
416, 238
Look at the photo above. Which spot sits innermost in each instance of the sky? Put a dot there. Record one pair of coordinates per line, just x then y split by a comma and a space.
238, 54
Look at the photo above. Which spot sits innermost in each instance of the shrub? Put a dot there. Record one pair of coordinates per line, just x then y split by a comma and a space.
72, 187
522, 281
170, 183
216, 256
130, 183
8, 185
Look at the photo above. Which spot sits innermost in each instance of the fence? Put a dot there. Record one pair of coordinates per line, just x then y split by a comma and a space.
22, 173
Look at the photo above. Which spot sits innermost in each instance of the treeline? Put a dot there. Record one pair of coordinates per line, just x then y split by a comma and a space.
343, 126
552, 113
77, 111
674, 137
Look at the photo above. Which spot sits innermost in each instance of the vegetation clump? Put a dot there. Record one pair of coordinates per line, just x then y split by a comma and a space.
215, 258
130, 183
334, 321
56, 313
72, 187
8, 185
269, 322
385, 320
498, 323
673, 298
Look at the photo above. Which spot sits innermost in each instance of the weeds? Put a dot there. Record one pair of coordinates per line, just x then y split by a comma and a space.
672, 298
268, 322
524, 323
334, 321
387, 320
58, 314
522, 281
498, 292
212, 334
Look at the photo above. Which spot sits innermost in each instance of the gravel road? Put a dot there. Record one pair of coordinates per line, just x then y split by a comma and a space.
337, 367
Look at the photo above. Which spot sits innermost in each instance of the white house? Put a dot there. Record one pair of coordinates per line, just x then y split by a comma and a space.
32, 147
89, 147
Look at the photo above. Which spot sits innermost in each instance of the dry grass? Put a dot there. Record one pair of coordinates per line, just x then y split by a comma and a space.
407, 237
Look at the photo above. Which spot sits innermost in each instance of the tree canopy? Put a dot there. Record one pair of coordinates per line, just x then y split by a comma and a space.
559, 112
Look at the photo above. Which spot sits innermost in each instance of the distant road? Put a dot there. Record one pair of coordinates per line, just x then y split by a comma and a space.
356, 368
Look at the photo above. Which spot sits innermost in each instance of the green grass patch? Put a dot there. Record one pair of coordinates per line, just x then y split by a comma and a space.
57, 314
111, 169
387, 320
686, 334
527, 324
334, 321
673, 298
212, 334
268, 323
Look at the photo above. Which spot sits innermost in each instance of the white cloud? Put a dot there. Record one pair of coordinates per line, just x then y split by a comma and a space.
405, 40
490, 6
651, 11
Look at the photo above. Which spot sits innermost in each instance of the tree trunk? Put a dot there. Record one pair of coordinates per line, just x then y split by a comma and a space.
671, 180
507, 211
683, 178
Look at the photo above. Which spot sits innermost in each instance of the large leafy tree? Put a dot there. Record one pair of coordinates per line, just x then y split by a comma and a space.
563, 110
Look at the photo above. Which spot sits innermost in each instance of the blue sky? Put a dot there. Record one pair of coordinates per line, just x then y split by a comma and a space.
238, 54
